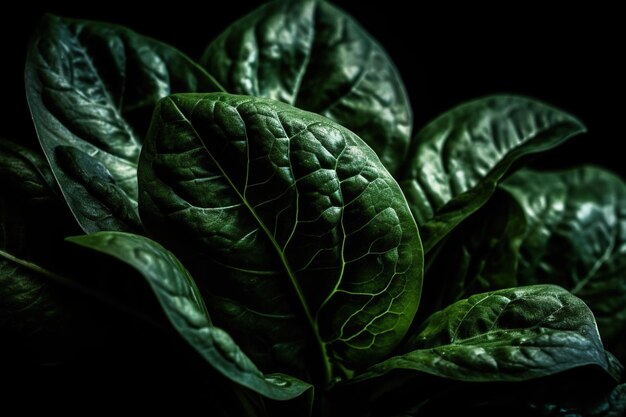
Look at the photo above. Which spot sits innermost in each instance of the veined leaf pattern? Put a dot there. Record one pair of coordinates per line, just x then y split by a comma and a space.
304, 221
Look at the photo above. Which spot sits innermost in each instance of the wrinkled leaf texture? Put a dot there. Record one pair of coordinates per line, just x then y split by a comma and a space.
91, 89
314, 56
575, 236
456, 161
513, 334
310, 240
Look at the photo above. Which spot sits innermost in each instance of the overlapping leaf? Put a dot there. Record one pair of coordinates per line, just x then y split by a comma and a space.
312, 237
457, 160
565, 228
312, 55
507, 335
183, 305
91, 88
576, 237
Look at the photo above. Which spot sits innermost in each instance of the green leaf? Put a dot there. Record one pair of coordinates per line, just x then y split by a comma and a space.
457, 160
313, 239
314, 56
91, 89
507, 335
575, 236
184, 307
478, 256
26, 172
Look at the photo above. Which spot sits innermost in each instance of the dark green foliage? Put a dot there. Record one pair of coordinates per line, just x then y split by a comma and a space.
313, 255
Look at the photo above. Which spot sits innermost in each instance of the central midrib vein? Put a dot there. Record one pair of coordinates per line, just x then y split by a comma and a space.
305, 307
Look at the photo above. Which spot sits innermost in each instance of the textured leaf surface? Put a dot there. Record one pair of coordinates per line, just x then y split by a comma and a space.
184, 307
575, 237
91, 88
308, 228
314, 56
507, 335
457, 160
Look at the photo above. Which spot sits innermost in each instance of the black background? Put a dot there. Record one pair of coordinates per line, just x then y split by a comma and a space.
569, 57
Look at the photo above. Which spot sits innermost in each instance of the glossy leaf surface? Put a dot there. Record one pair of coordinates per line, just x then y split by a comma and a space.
310, 232
316, 57
184, 307
507, 335
91, 88
576, 237
457, 160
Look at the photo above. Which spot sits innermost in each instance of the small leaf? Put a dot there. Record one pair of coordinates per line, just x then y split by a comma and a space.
317, 250
507, 335
457, 160
91, 87
26, 172
184, 307
314, 56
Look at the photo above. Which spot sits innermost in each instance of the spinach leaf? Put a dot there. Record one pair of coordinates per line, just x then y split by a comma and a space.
91, 88
184, 307
507, 335
576, 237
316, 57
313, 240
457, 160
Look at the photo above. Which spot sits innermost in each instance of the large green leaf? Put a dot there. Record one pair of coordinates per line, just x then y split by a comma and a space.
184, 307
312, 55
507, 335
457, 160
575, 237
91, 88
315, 245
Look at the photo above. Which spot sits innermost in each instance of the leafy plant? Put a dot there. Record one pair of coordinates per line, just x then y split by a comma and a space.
319, 258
